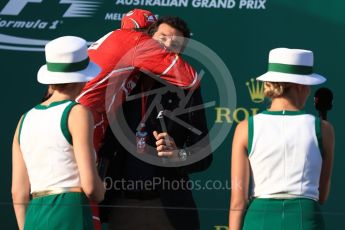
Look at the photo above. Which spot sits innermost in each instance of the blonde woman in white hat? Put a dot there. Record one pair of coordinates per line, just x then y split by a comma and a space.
284, 154
53, 156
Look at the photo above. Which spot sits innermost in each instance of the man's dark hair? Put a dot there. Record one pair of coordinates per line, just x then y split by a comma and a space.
173, 21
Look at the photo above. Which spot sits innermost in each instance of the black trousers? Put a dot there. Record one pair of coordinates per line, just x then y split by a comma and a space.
130, 213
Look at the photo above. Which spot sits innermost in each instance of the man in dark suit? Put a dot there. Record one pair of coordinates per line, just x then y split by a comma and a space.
146, 194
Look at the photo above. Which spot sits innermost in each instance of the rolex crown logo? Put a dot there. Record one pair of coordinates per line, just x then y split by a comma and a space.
256, 90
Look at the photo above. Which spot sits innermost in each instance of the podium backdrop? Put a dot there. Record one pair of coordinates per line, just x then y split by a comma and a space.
240, 32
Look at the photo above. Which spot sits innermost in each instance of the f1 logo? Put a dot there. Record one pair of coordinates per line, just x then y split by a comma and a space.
14, 7
78, 8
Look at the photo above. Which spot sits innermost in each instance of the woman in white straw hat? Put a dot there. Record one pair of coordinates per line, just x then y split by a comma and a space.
53, 156
285, 154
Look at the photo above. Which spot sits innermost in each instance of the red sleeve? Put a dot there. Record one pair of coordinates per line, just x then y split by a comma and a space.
151, 58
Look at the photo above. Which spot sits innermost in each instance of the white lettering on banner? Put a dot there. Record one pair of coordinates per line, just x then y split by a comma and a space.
117, 16
19, 16
38, 24
77, 8
252, 4
226, 4
114, 16
216, 4
54, 24
14, 7
165, 3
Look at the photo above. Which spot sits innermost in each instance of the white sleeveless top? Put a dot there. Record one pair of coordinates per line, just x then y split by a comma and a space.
284, 154
46, 145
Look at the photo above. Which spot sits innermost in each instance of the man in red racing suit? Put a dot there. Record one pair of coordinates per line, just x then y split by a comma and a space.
121, 54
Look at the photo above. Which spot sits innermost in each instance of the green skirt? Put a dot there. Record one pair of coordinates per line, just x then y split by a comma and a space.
283, 214
62, 211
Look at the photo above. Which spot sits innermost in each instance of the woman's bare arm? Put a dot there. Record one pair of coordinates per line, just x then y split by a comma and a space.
80, 124
240, 173
20, 181
327, 161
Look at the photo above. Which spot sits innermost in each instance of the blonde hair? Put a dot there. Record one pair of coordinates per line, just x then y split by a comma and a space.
276, 89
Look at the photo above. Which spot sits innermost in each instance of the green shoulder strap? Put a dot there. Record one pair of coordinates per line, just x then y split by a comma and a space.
21, 126
64, 122
250, 133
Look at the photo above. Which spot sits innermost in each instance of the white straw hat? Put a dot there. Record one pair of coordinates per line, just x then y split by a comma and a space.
67, 62
291, 65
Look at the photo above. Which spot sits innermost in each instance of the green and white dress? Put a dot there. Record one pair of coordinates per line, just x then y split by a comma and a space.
46, 145
285, 160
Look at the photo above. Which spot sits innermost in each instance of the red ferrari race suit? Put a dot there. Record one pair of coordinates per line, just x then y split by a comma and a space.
121, 54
